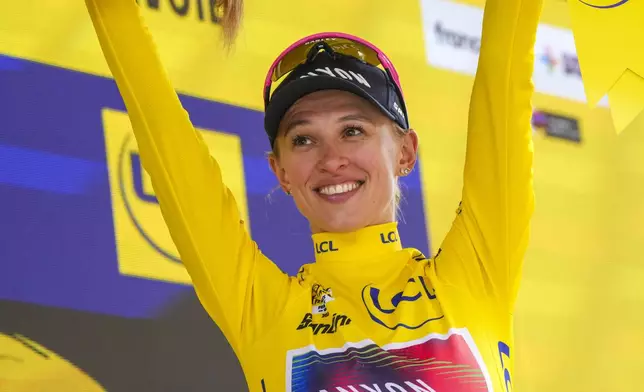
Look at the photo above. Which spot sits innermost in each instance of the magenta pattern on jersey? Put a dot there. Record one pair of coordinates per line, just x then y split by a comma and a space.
440, 364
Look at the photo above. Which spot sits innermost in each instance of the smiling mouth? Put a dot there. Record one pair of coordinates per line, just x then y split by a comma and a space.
338, 189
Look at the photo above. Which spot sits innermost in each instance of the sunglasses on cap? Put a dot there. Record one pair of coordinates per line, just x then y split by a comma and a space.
307, 48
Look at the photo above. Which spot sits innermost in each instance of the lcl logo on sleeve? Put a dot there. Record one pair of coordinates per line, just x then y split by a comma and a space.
143, 244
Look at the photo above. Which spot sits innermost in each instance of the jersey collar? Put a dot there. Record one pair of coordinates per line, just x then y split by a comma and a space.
361, 244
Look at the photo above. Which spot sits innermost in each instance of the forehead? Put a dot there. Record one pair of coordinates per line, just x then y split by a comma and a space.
331, 103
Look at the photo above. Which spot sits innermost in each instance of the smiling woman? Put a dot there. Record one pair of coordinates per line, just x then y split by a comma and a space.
368, 314
340, 157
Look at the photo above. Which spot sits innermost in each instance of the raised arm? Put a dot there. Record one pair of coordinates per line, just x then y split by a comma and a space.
492, 229
229, 273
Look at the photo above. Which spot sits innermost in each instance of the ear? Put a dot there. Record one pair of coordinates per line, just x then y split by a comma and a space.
408, 151
279, 172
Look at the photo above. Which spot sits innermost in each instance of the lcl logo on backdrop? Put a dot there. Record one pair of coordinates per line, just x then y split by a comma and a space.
143, 244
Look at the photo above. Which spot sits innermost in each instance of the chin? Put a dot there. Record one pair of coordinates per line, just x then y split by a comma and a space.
348, 216
341, 223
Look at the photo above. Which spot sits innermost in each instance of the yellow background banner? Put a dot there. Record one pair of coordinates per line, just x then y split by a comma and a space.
578, 319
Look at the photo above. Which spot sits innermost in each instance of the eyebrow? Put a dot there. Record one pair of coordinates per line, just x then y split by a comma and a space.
295, 123
348, 117
355, 116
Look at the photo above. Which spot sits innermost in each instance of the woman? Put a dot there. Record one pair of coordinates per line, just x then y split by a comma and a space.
367, 315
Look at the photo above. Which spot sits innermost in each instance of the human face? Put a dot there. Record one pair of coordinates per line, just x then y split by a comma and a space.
340, 158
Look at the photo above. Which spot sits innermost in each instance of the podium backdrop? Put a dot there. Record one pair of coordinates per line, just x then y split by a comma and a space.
92, 293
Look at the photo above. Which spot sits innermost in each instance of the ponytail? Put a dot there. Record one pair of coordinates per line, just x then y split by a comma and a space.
230, 12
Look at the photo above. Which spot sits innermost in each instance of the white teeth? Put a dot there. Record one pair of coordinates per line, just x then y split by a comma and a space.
339, 188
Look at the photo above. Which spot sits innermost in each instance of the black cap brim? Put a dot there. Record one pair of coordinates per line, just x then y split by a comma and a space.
287, 95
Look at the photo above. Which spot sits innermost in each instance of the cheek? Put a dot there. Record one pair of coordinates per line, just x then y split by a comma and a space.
385, 154
298, 170
376, 159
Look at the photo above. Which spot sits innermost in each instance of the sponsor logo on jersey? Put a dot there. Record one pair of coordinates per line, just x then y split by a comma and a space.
435, 363
143, 243
338, 320
388, 238
417, 301
504, 359
320, 296
325, 246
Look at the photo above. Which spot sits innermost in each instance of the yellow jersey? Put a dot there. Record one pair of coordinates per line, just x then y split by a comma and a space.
367, 315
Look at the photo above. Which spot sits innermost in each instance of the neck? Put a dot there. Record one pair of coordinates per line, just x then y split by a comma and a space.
388, 216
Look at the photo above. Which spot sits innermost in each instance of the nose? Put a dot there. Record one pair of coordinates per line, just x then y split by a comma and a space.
332, 158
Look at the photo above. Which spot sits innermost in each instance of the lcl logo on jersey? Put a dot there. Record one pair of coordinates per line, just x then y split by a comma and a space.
325, 246
144, 246
388, 238
410, 308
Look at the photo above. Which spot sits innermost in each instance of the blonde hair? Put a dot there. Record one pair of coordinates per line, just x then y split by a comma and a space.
230, 15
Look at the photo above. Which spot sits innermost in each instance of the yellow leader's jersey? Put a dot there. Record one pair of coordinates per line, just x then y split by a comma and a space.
368, 315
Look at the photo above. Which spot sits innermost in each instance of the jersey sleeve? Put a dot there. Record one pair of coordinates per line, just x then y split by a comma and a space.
485, 246
239, 287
